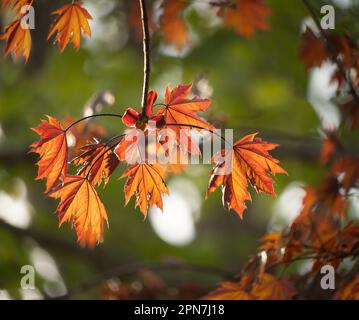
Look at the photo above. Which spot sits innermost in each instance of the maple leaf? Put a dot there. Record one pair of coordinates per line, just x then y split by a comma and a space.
249, 159
145, 182
132, 147
313, 50
182, 110
97, 162
172, 26
53, 151
81, 205
270, 287
336, 245
272, 245
246, 17
229, 291
72, 19
329, 193
18, 40
350, 290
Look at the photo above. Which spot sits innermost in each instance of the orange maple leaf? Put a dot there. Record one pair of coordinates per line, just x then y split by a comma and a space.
182, 110
350, 290
17, 4
145, 182
250, 160
229, 291
18, 40
72, 19
246, 17
172, 26
270, 287
53, 151
81, 205
97, 162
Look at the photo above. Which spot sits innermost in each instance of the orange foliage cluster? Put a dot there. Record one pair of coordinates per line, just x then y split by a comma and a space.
322, 233
72, 21
249, 160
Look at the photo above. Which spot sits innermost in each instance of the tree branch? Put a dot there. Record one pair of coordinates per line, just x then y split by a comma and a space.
146, 55
133, 268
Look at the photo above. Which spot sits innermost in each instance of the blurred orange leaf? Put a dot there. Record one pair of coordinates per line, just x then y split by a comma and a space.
229, 291
313, 50
270, 287
172, 25
246, 17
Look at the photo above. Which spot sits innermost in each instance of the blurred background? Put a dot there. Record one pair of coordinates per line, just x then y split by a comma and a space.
257, 85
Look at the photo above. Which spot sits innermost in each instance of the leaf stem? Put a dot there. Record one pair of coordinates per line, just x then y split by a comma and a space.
146, 55
108, 148
93, 116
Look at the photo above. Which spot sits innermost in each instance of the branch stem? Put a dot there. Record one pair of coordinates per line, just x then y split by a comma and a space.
146, 55
108, 148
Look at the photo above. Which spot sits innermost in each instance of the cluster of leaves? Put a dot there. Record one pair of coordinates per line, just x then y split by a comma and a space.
246, 17
322, 233
247, 160
72, 21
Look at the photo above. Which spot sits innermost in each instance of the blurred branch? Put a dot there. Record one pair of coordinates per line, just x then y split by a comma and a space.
98, 256
293, 146
134, 268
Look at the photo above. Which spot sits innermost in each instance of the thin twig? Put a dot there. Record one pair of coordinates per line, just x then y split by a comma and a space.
108, 148
146, 55
93, 116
